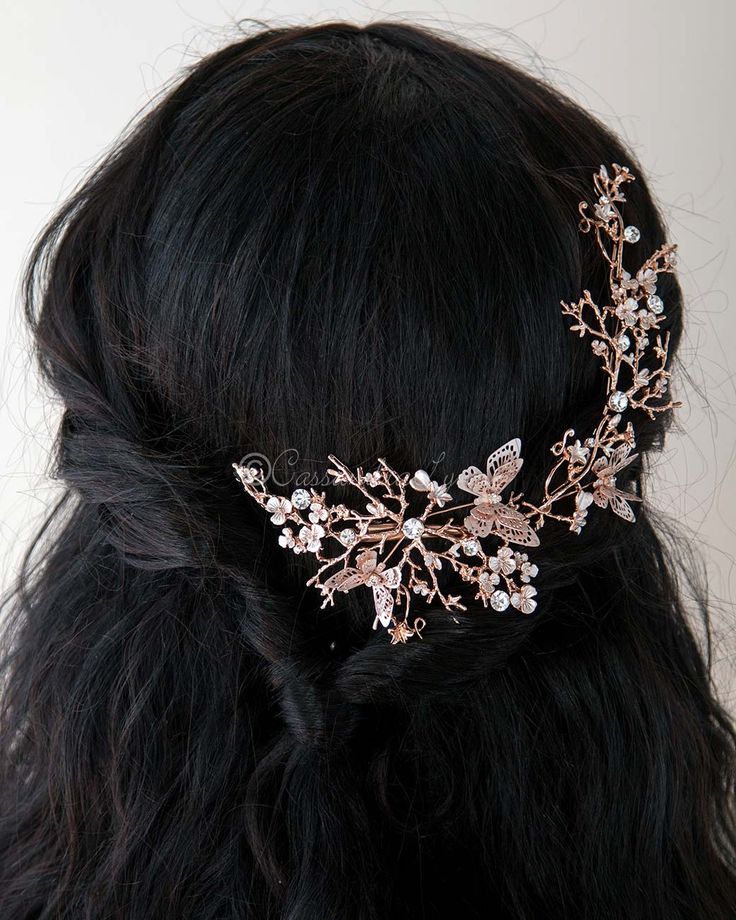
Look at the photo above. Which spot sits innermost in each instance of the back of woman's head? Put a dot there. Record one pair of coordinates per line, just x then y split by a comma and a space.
348, 241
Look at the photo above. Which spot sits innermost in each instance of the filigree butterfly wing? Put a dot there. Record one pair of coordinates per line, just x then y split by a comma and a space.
503, 465
480, 520
345, 580
620, 505
601, 496
620, 458
511, 525
383, 601
392, 577
474, 481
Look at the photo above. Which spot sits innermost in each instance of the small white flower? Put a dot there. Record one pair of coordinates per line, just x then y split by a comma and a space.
529, 571
248, 474
503, 561
317, 512
422, 588
523, 599
488, 581
432, 561
278, 508
647, 279
646, 319
627, 311
373, 479
376, 509
599, 348
311, 537
286, 539
627, 284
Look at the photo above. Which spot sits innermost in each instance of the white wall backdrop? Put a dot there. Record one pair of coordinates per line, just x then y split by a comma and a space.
74, 72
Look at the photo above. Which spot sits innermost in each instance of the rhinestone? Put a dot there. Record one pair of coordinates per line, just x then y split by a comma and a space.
348, 536
624, 341
471, 547
499, 600
300, 499
618, 401
655, 303
413, 528
632, 235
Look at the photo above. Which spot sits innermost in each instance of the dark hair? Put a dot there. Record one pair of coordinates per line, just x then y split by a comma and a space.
348, 240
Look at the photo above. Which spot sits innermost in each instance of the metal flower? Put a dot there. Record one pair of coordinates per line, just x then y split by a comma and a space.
278, 508
523, 599
504, 561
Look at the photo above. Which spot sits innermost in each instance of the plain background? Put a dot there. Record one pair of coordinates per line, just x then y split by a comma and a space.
73, 74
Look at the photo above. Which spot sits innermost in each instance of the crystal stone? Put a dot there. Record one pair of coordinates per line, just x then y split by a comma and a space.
300, 499
348, 536
618, 401
499, 600
655, 303
413, 528
624, 341
632, 234
471, 547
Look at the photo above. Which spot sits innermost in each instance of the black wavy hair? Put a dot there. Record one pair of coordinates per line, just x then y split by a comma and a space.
349, 240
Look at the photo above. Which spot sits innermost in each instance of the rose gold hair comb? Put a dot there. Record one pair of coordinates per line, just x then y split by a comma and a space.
398, 554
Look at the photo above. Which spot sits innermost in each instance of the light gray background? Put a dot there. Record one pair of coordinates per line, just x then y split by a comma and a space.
73, 73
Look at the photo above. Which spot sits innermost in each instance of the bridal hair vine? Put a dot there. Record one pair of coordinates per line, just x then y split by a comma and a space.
397, 552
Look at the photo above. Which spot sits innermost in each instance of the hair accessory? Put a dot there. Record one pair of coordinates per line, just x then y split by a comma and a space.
397, 552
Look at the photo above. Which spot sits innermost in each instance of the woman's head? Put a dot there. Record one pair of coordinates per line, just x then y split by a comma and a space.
349, 241
323, 241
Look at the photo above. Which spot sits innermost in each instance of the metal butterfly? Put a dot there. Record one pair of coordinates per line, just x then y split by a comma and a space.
373, 573
490, 514
605, 491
